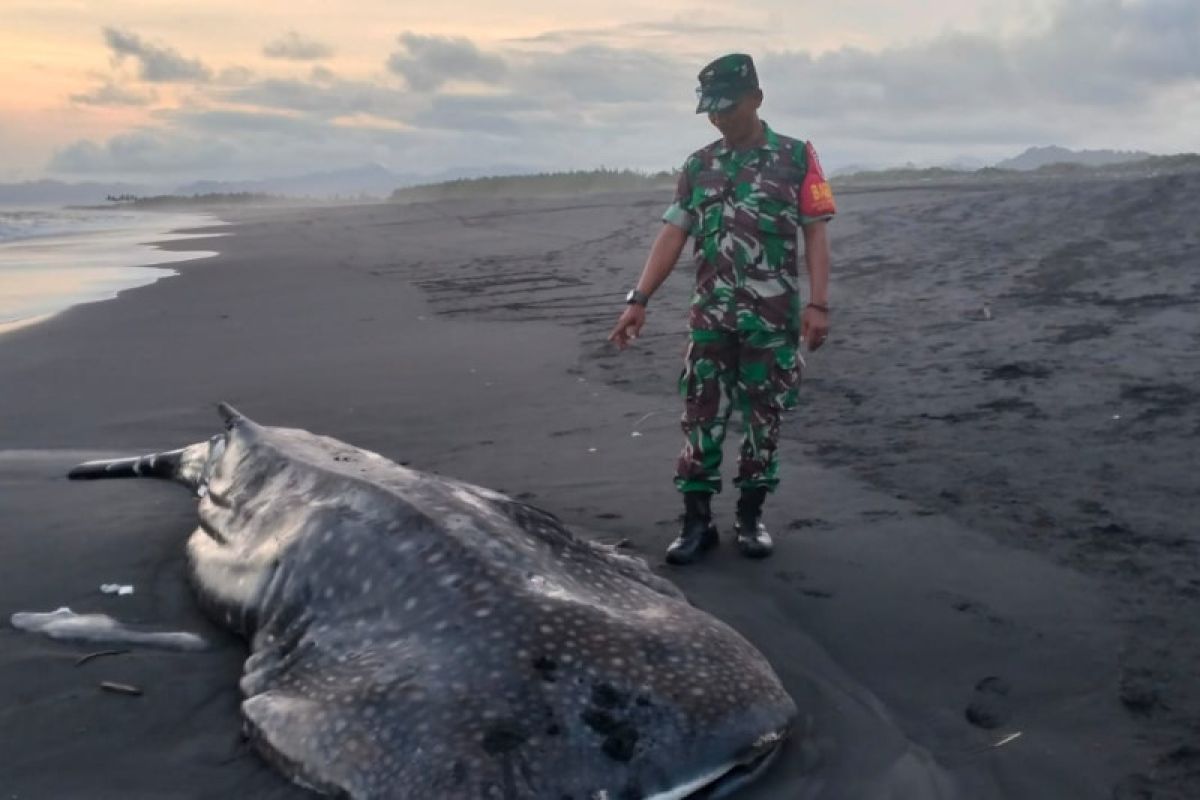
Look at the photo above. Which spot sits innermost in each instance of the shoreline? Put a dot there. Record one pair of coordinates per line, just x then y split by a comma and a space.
470, 344
27, 322
46, 273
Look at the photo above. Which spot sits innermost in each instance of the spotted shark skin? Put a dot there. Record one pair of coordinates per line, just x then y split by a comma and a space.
413, 636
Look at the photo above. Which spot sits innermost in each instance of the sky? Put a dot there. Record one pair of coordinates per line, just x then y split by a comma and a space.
159, 91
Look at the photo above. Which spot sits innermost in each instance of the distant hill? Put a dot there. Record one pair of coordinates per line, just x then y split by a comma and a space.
1036, 157
365, 181
369, 180
913, 176
548, 184
536, 185
853, 169
48, 192
505, 180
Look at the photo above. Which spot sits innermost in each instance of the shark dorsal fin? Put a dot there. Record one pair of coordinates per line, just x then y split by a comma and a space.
230, 415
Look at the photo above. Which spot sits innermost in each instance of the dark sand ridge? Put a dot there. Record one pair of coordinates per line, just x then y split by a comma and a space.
881, 613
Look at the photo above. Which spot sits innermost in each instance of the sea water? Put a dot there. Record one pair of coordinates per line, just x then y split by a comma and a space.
52, 258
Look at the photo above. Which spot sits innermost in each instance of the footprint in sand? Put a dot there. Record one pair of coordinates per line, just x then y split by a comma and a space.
989, 707
792, 577
811, 522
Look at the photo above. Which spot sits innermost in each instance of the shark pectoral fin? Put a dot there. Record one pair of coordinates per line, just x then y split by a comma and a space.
187, 466
156, 465
300, 735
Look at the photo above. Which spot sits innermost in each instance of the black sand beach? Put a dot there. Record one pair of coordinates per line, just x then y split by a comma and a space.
986, 525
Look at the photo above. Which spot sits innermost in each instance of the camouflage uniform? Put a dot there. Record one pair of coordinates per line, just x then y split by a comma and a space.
744, 210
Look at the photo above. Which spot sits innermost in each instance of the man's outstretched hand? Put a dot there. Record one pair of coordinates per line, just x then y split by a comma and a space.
628, 326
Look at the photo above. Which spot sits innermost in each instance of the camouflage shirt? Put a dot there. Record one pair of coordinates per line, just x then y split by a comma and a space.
744, 209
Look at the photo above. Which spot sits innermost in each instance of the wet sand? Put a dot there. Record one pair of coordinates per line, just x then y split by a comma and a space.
986, 525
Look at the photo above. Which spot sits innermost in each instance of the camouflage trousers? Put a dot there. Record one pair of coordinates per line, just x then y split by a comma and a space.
756, 371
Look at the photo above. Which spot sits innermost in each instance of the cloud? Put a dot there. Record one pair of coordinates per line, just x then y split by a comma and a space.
429, 62
704, 35
294, 47
1094, 73
600, 74
235, 76
320, 74
497, 115
1105, 50
109, 94
1095, 65
324, 95
140, 153
158, 64
220, 145
231, 123
1104, 54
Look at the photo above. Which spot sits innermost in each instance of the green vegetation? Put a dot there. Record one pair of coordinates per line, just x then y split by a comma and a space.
537, 185
906, 176
1178, 161
214, 199
579, 182
1152, 165
913, 175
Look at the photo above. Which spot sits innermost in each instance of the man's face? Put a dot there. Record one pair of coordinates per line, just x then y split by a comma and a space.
739, 121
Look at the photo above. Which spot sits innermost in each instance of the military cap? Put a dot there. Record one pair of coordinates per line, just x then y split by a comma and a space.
724, 81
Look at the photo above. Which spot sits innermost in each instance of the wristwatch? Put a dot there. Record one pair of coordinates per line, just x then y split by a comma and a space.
634, 296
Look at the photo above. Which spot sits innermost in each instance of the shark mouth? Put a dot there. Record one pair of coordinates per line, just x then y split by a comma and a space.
729, 778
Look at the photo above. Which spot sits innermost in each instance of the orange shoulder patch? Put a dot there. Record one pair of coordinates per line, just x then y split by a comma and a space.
816, 195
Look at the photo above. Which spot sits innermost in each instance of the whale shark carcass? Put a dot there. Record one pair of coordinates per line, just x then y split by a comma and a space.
415, 637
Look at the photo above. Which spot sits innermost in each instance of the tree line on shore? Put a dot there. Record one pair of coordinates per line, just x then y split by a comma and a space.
221, 198
573, 182
542, 183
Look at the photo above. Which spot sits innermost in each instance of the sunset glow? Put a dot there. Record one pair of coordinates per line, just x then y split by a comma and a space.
150, 89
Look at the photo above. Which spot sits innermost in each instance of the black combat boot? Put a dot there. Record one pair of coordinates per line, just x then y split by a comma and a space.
752, 537
698, 534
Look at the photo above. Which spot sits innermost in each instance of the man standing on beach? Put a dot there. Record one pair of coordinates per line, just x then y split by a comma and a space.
743, 198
